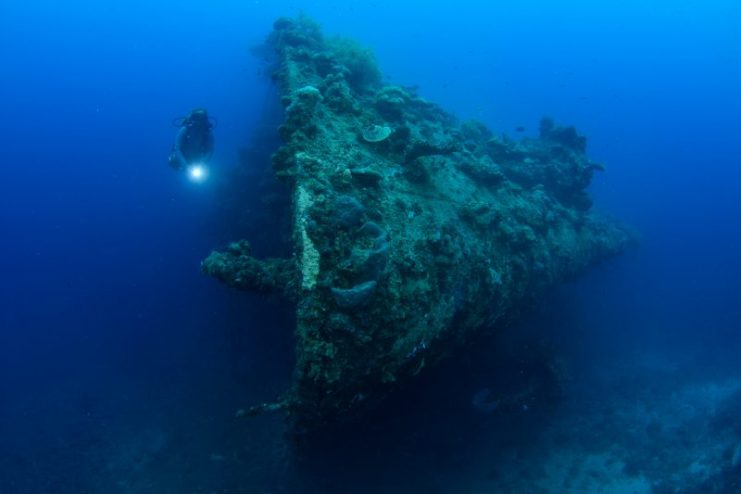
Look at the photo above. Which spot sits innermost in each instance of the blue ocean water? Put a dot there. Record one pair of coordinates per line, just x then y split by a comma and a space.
121, 365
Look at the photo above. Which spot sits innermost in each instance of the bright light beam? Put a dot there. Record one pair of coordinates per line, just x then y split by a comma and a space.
197, 172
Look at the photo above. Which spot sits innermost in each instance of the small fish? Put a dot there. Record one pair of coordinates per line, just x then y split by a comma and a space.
520, 128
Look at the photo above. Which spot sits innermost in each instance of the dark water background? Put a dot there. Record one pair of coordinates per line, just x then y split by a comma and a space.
121, 365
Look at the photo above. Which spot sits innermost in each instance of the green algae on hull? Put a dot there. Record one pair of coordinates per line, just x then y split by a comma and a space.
407, 246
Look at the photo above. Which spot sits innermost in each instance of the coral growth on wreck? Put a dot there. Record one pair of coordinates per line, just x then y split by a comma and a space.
407, 243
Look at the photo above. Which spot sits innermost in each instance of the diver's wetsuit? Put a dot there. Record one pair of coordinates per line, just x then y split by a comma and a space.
194, 142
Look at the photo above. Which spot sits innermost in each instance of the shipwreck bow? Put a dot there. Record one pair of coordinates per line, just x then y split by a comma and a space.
413, 232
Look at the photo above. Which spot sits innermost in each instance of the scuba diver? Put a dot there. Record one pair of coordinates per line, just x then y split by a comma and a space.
194, 143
